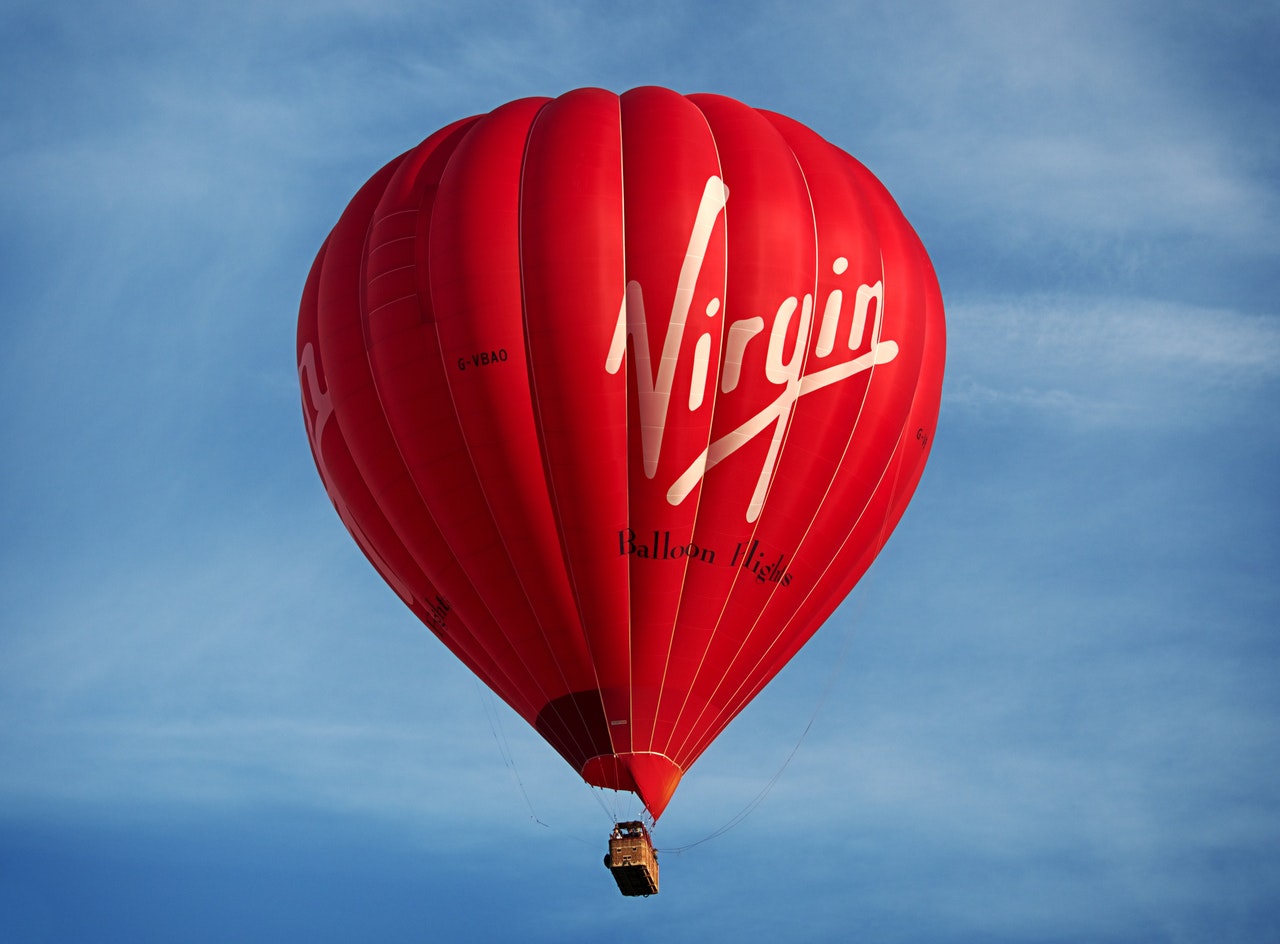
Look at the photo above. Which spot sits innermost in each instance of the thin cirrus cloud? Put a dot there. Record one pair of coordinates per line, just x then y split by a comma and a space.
1109, 361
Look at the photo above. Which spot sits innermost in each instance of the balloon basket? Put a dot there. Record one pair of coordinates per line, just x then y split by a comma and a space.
632, 860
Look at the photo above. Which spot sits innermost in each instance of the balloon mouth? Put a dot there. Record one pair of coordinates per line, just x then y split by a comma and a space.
652, 777
575, 725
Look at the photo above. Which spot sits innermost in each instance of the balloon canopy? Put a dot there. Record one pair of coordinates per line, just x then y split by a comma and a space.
622, 395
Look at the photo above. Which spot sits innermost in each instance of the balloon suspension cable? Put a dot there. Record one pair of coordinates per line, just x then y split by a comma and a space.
622, 808
613, 813
504, 748
854, 620
760, 797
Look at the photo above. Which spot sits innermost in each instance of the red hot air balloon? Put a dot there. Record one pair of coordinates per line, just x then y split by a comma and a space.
622, 395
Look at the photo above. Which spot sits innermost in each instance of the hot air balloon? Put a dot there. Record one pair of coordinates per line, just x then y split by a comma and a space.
621, 394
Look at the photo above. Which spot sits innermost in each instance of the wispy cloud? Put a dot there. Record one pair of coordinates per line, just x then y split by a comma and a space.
1106, 360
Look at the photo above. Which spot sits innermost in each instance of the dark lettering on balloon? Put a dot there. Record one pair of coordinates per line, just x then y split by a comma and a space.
661, 547
436, 613
751, 556
483, 358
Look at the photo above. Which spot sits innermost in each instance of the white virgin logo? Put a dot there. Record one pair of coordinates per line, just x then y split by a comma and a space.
655, 387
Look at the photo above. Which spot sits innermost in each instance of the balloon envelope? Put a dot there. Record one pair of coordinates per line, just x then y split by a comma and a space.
622, 395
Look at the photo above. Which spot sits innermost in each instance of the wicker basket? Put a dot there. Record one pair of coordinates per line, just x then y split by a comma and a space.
632, 860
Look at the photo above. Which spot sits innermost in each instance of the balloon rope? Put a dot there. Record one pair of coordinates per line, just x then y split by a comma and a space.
504, 748
491, 712
760, 797
863, 586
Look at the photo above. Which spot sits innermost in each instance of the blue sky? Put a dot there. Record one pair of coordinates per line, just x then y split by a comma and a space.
1050, 713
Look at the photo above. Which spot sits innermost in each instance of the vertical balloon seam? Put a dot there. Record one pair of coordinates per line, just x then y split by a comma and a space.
591, 749
533, 682
697, 499
896, 463
466, 645
817, 257
533, 678
626, 439
626, 405
665, 749
588, 749
311, 359
896, 467
895, 459
554, 704
735, 704
468, 639
317, 396
669, 747
755, 525
753, 683
724, 716
455, 642
519, 578
372, 551
362, 316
